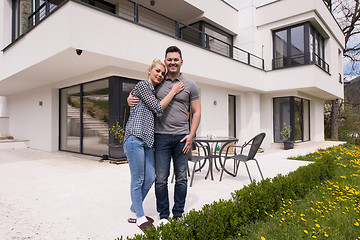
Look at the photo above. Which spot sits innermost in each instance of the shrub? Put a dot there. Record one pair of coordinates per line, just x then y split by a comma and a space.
224, 218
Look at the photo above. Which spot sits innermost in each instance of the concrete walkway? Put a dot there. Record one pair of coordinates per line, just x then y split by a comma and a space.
61, 195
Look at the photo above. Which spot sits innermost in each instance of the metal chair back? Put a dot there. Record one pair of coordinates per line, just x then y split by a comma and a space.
255, 145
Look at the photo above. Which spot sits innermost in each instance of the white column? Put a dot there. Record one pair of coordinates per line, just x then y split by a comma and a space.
246, 37
4, 117
249, 116
316, 120
3, 107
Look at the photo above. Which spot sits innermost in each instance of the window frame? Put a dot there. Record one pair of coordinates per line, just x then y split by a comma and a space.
314, 52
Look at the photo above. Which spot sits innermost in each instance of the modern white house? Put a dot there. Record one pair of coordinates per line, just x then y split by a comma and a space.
67, 66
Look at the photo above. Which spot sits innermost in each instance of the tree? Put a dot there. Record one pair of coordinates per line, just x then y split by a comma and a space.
347, 14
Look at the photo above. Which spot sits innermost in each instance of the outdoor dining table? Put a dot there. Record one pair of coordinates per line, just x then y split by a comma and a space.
215, 147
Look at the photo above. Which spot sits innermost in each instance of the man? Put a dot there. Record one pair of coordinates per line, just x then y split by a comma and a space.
172, 136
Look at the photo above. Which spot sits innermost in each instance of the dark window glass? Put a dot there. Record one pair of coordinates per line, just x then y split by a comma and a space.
298, 119
106, 6
21, 11
127, 87
96, 117
297, 45
281, 116
232, 116
280, 49
70, 119
192, 34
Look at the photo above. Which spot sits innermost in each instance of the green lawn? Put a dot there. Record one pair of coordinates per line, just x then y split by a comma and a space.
330, 211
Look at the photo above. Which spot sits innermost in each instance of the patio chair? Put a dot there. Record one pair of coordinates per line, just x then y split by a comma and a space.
199, 153
254, 144
197, 156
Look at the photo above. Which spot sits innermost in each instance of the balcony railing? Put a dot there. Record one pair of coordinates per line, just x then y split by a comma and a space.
141, 15
340, 78
320, 62
37, 16
300, 59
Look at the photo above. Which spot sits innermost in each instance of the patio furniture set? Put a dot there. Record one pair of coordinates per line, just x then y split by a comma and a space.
217, 151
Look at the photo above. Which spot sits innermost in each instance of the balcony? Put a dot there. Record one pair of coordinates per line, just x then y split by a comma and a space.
148, 18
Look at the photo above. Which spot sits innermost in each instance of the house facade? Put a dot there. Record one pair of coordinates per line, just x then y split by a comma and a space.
67, 66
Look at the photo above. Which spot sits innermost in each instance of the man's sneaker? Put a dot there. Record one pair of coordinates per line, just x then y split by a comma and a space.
163, 221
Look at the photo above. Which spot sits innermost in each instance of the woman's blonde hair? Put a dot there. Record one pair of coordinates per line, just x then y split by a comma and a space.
155, 62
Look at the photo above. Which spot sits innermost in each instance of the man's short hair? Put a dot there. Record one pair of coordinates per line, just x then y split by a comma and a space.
173, 49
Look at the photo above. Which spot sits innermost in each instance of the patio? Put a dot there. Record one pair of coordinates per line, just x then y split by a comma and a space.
62, 195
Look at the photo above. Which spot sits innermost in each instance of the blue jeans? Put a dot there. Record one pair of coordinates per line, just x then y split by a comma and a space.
167, 146
142, 170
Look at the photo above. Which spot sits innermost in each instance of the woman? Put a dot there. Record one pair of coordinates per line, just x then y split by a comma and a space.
139, 140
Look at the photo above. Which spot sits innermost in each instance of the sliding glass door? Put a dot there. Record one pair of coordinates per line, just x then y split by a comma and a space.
87, 110
294, 112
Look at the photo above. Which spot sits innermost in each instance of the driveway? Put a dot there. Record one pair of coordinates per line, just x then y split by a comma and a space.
59, 195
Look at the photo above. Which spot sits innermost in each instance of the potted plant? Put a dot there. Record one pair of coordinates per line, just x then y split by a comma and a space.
286, 133
116, 150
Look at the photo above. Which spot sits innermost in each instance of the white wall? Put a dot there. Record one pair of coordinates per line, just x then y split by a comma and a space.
30, 121
214, 118
316, 120
249, 113
212, 8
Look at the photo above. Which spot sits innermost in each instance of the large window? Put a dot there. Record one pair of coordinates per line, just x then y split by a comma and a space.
298, 45
295, 112
87, 110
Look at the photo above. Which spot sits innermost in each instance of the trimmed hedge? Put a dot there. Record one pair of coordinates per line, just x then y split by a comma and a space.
222, 218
